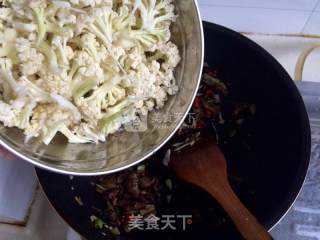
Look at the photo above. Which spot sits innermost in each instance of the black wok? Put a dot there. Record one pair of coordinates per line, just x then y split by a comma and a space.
275, 170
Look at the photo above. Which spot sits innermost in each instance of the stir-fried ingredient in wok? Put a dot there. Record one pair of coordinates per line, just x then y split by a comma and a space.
151, 188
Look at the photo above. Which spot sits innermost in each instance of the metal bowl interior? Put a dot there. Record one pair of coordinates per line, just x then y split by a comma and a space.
125, 149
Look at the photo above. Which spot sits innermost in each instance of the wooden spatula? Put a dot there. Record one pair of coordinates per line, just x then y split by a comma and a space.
204, 165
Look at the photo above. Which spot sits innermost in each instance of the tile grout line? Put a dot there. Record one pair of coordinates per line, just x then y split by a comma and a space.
318, 5
309, 18
264, 8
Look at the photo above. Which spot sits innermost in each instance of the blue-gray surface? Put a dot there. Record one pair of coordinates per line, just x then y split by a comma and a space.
303, 220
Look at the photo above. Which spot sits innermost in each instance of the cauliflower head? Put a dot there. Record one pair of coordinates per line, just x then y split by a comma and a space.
84, 68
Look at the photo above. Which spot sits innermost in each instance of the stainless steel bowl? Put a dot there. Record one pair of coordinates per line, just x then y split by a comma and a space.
125, 149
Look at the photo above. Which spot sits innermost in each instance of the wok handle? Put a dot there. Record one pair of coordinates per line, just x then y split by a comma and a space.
302, 60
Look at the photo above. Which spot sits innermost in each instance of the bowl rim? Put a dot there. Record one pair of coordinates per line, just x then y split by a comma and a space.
50, 167
300, 180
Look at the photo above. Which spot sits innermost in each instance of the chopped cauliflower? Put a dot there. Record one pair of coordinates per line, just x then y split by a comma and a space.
84, 68
7, 114
65, 17
46, 115
5, 15
91, 3
30, 59
53, 83
7, 38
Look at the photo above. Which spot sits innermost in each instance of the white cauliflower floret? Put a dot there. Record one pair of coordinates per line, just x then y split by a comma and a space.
169, 82
154, 67
83, 20
7, 115
155, 13
115, 95
92, 70
38, 120
118, 53
37, 3
26, 88
17, 113
164, 78
7, 39
89, 43
45, 117
161, 97
143, 86
152, 86
102, 25
103, 97
89, 131
19, 9
150, 105
21, 87
65, 52
5, 16
141, 107
168, 52
116, 116
23, 45
151, 29
84, 74
54, 114
65, 17
114, 61
89, 113
134, 58
24, 27
23, 107
81, 59
91, 3
54, 83
31, 60
32, 37
125, 18
8, 81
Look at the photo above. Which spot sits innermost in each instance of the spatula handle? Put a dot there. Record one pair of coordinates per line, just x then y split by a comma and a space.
246, 223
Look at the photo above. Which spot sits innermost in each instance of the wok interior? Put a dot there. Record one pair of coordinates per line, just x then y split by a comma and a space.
276, 164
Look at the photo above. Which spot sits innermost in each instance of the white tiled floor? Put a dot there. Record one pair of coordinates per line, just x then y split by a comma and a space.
18, 181
318, 7
287, 50
277, 4
313, 25
43, 223
265, 16
260, 20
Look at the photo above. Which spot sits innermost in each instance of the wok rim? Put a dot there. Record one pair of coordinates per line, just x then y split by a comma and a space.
300, 108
